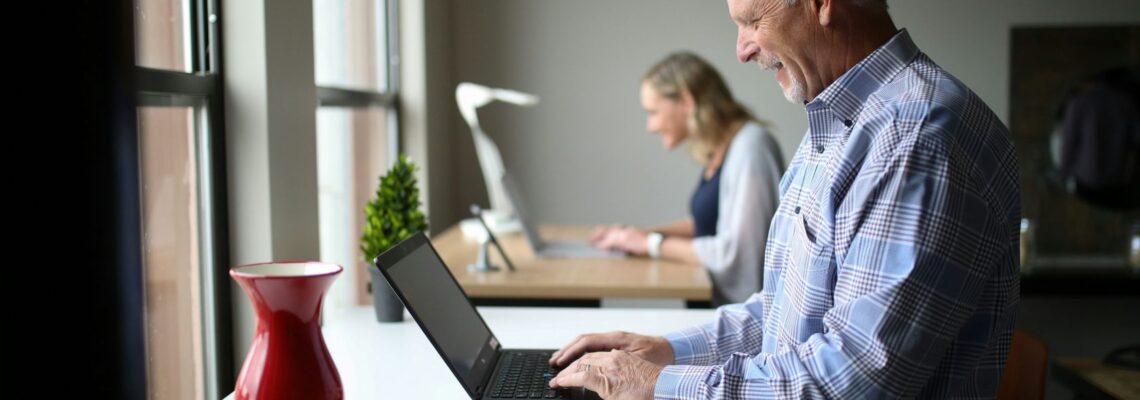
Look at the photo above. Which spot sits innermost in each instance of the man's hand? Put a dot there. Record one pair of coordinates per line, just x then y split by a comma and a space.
654, 349
613, 375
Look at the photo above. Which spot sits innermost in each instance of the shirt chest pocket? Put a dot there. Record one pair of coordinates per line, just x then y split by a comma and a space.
802, 247
811, 276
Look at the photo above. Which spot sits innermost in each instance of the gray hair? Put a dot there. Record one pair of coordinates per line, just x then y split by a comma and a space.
865, 3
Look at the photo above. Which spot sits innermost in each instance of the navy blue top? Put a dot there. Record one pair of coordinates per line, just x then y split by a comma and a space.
705, 204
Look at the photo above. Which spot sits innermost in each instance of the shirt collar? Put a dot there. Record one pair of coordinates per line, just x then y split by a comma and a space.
845, 97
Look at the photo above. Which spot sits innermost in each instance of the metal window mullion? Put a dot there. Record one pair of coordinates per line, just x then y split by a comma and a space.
206, 255
212, 46
340, 97
150, 80
219, 217
197, 35
393, 84
150, 99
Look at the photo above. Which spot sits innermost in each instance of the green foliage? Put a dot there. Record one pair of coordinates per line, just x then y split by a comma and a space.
394, 214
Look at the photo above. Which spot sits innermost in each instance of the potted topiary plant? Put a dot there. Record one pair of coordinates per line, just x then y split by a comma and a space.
391, 217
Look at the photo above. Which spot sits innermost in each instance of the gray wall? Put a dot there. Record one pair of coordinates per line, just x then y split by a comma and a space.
583, 156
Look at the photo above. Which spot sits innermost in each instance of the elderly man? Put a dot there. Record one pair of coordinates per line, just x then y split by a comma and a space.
892, 262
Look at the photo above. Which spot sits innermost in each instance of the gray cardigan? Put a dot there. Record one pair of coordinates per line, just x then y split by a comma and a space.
749, 195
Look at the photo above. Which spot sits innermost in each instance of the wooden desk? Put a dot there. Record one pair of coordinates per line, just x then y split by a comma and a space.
1090, 378
568, 279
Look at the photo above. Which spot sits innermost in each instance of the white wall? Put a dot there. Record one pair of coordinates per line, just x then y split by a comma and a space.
270, 142
583, 156
426, 104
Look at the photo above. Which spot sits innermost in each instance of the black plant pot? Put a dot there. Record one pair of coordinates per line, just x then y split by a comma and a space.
384, 300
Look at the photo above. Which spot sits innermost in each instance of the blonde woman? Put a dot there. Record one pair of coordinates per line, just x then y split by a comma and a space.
685, 99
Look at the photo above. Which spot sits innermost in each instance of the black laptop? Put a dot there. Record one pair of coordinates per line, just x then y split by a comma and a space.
455, 328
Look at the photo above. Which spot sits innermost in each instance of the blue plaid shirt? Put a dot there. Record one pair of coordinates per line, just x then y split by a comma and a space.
892, 261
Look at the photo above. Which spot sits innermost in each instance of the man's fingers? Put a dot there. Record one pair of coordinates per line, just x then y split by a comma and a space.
580, 364
574, 350
556, 358
575, 379
564, 347
582, 373
570, 369
610, 373
587, 343
565, 356
594, 371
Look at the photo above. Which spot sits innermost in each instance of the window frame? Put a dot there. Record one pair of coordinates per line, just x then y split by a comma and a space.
202, 88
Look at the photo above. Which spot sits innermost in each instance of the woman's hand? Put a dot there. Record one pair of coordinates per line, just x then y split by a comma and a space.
601, 232
627, 239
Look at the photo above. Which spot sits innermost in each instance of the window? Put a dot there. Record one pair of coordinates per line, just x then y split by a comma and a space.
187, 333
357, 127
161, 34
171, 252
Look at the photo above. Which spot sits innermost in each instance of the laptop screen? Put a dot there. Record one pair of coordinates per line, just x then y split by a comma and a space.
532, 236
437, 302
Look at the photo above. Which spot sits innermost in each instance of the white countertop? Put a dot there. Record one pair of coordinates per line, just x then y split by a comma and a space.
395, 360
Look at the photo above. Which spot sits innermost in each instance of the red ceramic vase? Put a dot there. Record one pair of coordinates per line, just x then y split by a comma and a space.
288, 358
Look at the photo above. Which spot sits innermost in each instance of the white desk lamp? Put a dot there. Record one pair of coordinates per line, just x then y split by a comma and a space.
469, 97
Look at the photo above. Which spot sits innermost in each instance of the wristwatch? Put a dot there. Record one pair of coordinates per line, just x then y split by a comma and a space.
653, 244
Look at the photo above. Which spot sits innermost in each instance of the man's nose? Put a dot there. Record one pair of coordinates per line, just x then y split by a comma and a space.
745, 49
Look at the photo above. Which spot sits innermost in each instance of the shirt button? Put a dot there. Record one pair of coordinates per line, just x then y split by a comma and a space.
847, 123
797, 209
819, 149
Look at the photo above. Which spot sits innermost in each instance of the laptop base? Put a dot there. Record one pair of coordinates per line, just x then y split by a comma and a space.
569, 249
525, 374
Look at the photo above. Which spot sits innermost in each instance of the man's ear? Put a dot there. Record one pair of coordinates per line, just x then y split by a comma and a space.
822, 8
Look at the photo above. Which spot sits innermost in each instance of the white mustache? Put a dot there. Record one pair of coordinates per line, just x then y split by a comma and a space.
768, 61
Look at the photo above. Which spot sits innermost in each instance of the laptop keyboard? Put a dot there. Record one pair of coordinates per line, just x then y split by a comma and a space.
526, 376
